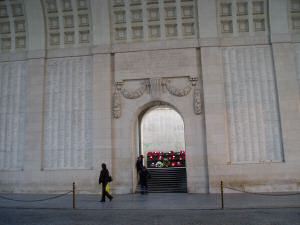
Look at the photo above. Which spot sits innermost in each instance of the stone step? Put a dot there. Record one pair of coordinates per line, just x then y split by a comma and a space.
166, 180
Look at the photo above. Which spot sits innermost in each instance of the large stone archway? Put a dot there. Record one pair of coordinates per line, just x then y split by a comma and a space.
161, 129
128, 105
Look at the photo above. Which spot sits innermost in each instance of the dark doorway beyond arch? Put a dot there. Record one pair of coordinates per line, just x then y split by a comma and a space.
162, 142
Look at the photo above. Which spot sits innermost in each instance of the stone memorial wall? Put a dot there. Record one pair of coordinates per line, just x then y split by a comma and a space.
77, 76
68, 105
13, 78
252, 110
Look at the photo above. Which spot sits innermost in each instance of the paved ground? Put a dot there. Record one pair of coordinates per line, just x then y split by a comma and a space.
156, 209
149, 217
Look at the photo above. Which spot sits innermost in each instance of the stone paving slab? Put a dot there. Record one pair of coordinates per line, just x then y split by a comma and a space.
154, 201
282, 216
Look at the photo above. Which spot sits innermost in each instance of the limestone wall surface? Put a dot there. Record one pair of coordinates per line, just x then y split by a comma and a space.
76, 75
251, 105
13, 103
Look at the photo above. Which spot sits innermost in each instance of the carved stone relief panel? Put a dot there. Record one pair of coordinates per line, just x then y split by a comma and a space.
12, 26
242, 17
188, 29
12, 114
3, 11
154, 31
243, 25
69, 37
136, 15
120, 33
19, 26
120, 17
156, 87
294, 13
251, 101
84, 36
68, 113
5, 28
20, 42
68, 22
137, 32
82, 5
134, 21
226, 26
54, 39
153, 14
171, 30
83, 20
160, 63
242, 8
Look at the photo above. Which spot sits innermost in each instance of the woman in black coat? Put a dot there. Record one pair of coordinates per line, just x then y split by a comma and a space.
104, 178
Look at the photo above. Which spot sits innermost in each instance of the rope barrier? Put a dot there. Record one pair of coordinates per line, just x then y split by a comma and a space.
264, 194
38, 200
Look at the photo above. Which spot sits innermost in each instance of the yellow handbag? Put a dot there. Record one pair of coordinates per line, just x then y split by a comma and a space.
107, 188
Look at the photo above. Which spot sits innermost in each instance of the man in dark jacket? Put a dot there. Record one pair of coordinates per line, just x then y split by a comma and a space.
139, 165
144, 175
104, 178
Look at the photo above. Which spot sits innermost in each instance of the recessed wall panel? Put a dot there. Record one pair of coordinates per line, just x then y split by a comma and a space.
251, 101
12, 114
68, 113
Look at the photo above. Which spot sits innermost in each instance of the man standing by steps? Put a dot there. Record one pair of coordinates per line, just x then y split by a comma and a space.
139, 165
144, 175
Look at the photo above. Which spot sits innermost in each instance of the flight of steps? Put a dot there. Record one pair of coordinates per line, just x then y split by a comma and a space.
168, 180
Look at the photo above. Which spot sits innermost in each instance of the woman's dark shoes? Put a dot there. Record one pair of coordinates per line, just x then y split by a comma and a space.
111, 198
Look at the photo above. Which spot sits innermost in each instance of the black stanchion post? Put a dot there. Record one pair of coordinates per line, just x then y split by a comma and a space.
74, 206
222, 195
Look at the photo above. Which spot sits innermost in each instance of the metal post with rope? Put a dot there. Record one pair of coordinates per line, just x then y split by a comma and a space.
44, 199
74, 189
264, 194
222, 195
222, 186
37, 200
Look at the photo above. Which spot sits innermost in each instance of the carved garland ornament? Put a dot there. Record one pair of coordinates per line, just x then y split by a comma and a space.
136, 93
116, 110
177, 91
197, 98
154, 87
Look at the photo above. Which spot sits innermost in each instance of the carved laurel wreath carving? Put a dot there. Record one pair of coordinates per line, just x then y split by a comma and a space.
136, 93
177, 91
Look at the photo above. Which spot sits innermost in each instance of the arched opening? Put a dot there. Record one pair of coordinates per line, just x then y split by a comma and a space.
162, 142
